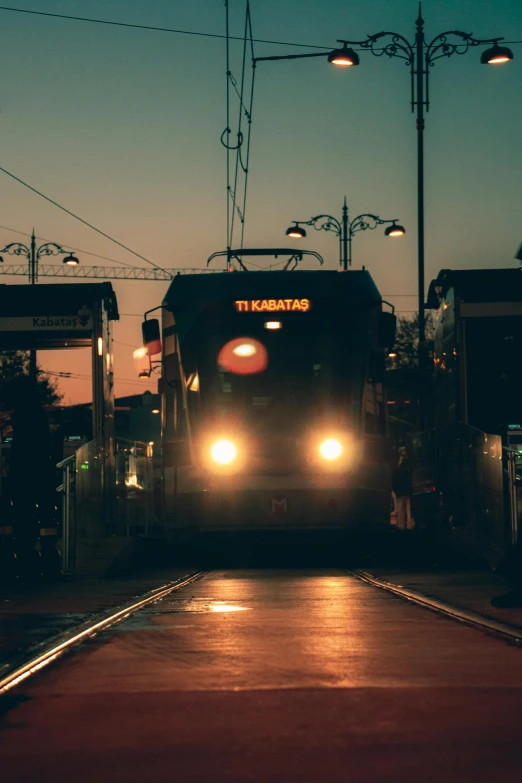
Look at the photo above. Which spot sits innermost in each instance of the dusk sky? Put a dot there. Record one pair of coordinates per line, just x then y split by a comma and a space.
123, 126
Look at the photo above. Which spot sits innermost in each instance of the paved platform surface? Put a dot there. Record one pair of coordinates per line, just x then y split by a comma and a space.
276, 675
466, 588
29, 615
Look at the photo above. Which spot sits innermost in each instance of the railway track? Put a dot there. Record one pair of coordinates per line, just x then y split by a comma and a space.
270, 674
53, 649
480, 622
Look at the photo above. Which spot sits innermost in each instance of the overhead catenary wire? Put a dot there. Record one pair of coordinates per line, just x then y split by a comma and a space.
233, 194
129, 345
227, 131
83, 377
77, 217
233, 197
246, 166
153, 28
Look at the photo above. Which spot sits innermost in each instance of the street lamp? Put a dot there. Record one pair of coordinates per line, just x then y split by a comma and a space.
71, 260
420, 56
344, 56
296, 232
345, 230
33, 255
497, 54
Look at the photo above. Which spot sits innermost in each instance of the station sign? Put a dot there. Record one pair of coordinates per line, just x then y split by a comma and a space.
81, 322
272, 305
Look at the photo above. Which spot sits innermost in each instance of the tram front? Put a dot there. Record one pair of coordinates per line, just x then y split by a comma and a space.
274, 411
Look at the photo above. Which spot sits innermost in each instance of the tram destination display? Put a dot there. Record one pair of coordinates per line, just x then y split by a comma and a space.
272, 305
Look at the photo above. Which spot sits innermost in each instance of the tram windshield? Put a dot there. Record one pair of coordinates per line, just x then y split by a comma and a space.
305, 376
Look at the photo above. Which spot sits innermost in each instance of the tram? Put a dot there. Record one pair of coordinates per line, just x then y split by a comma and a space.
273, 401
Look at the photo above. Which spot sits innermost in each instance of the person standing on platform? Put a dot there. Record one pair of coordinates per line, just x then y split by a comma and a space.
402, 487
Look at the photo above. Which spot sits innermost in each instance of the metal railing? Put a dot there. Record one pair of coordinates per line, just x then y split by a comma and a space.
90, 510
134, 487
513, 477
481, 489
66, 489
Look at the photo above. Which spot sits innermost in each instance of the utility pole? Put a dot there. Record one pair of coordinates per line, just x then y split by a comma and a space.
346, 237
33, 277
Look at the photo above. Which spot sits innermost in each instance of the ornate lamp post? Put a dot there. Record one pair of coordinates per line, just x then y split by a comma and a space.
345, 230
33, 255
419, 55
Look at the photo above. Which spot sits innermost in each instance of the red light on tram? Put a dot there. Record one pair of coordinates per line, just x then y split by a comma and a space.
243, 356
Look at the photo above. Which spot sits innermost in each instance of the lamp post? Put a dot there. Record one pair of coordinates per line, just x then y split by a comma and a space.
419, 55
345, 230
33, 255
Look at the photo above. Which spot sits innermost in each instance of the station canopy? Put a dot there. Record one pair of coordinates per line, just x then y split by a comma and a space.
46, 317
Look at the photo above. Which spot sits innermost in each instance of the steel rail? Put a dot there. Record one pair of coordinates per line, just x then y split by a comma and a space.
505, 630
75, 636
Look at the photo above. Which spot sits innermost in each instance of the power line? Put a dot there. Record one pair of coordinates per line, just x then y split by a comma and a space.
151, 28
169, 29
119, 342
89, 225
83, 377
233, 197
76, 249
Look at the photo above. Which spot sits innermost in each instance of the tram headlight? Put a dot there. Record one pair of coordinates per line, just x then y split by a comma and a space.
331, 449
224, 452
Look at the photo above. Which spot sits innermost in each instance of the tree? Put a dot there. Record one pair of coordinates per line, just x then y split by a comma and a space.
14, 367
407, 341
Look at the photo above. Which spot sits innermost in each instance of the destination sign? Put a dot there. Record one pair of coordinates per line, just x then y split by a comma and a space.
45, 323
272, 305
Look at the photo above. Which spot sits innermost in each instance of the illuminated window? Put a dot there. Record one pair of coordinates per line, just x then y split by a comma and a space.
193, 382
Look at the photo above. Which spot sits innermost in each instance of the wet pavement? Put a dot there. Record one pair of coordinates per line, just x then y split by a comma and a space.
31, 615
273, 675
466, 588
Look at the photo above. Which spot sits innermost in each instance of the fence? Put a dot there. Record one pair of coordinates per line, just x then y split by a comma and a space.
90, 509
66, 490
478, 478
480, 498
481, 489
134, 487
